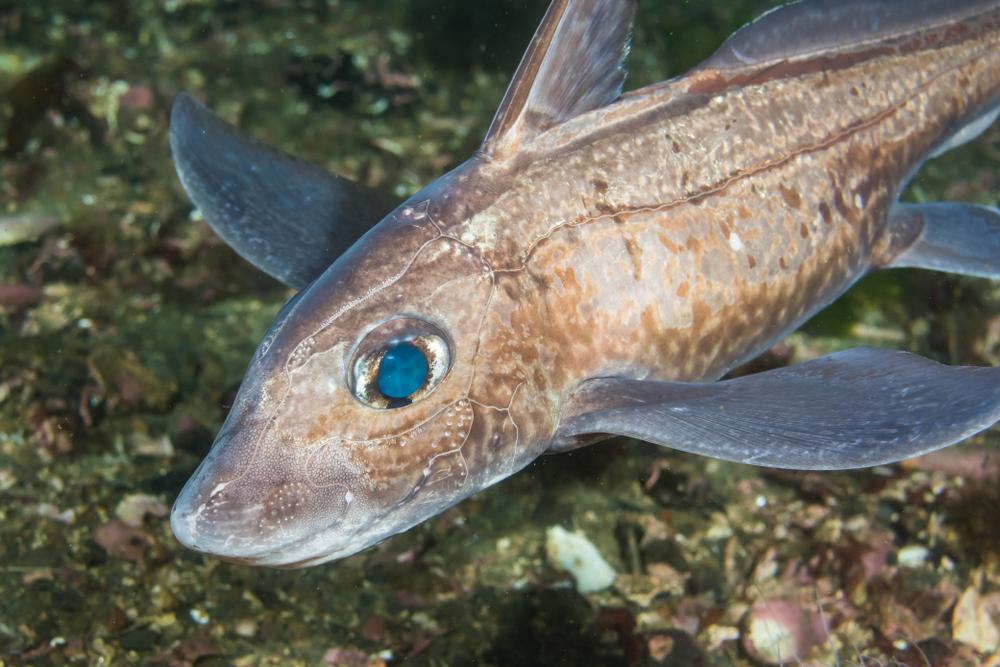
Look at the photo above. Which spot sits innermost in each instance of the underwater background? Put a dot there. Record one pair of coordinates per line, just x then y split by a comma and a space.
125, 327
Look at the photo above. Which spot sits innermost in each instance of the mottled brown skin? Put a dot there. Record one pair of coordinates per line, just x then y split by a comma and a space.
671, 235
679, 232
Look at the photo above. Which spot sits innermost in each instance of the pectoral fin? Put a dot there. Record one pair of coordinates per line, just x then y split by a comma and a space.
945, 236
853, 409
285, 216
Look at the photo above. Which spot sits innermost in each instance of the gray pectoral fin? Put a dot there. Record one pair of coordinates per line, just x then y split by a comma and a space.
285, 216
944, 236
853, 409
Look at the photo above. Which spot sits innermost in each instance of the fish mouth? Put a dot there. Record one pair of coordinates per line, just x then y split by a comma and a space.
239, 541
240, 533
227, 520
251, 501
240, 521
259, 501
245, 551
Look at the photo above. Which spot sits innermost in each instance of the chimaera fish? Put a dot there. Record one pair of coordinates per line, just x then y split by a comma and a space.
594, 269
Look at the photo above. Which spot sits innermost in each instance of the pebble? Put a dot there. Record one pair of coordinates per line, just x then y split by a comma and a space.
246, 627
912, 556
572, 552
24, 227
133, 508
972, 621
782, 632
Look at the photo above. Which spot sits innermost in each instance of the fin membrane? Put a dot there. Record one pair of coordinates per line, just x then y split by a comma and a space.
945, 236
812, 26
968, 129
853, 409
573, 65
285, 216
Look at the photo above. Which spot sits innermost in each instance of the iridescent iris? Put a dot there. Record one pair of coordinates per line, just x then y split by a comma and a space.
399, 363
403, 370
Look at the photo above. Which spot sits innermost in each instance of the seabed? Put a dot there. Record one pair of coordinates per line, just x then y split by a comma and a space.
125, 327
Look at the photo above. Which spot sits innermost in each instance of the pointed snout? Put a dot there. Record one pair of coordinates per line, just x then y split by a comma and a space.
253, 501
218, 512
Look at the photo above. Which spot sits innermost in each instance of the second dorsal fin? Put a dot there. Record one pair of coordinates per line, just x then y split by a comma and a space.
811, 26
573, 65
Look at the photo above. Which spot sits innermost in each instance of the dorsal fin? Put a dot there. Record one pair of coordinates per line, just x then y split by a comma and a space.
811, 26
573, 65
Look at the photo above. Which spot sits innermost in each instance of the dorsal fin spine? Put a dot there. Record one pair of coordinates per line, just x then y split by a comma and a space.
573, 65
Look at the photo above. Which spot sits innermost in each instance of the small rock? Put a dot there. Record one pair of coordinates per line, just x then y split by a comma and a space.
345, 657
50, 511
7, 479
199, 615
782, 632
246, 627
375, 630
165, 620
37, 574
132, 509
717, 635
138, 96
719, 528
122, 541
912, 556
659, 647
147, 445
575, 554
24, 227
976, 620
15, 297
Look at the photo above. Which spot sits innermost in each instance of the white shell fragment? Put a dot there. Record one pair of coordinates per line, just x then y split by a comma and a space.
575, 554
976, 620
912, 556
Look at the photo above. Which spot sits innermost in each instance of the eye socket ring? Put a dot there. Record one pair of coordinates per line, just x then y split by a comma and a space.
399, 363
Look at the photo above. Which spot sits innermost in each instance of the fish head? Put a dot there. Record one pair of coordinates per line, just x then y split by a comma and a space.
354, 421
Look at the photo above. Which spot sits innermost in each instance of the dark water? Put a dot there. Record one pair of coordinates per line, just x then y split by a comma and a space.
125, 326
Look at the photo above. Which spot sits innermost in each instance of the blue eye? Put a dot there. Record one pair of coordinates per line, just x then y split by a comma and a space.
399, 363
403, 371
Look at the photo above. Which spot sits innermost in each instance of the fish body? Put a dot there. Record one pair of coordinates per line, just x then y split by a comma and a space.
596, 267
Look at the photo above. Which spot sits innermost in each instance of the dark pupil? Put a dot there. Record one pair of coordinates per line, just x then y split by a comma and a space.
403, 370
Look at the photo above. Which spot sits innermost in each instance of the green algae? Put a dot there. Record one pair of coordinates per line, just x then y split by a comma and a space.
116, 372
